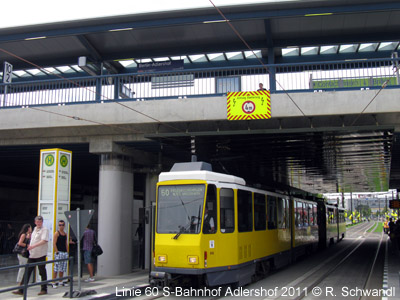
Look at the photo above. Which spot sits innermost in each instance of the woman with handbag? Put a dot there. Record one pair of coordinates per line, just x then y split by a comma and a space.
21, 248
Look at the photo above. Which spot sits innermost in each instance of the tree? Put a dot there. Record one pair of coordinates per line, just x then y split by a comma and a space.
365, 210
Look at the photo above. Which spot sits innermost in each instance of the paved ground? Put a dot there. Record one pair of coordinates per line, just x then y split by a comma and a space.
102, 286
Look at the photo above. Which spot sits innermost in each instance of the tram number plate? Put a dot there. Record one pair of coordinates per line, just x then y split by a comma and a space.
212, 245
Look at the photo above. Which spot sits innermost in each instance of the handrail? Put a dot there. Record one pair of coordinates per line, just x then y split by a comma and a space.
196, 70
25, 286
292, 77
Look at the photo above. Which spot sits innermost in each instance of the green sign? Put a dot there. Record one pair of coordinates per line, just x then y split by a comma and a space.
352, 83
64, 161
49, 160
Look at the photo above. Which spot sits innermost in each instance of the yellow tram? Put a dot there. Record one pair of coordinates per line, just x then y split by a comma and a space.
211, 229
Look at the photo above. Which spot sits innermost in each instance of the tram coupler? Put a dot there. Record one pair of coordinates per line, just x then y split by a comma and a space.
159, 279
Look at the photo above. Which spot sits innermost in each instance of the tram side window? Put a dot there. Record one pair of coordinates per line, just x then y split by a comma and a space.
299, 214
210, 216
305, 214
245, 211
271, 213
330, 216
310, 214
341, 217
281, 206
315, 212
287, 214
227, 210
260, 216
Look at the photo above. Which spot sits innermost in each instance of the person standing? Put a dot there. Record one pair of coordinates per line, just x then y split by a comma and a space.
208, 226
37, 253
89, 237
10, 239
60, 246
261, 87
24, 237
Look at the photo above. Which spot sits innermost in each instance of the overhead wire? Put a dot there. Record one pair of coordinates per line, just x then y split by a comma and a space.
384, 85
252, 51
280, 85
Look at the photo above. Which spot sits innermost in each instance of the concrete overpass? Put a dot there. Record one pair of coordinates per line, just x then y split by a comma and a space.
115, 128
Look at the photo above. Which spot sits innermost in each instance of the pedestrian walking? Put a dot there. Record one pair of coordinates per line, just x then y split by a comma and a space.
37, 253
89, 237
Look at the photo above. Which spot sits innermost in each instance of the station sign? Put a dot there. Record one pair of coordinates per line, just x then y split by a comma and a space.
7, 72
54, 192
249, 105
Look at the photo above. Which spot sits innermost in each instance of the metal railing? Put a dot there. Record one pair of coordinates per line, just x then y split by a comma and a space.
338, 75
27, 285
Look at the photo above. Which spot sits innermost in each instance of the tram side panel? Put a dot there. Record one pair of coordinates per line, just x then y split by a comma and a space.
305, 227
332, 224
260, 239
341, 223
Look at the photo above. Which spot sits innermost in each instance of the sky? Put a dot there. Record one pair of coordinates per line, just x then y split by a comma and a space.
28, 12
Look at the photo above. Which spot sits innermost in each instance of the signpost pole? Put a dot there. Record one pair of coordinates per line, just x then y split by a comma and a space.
7, 78
79, 248
78, 221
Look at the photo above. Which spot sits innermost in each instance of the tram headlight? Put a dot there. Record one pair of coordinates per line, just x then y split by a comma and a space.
162, 258
193, 260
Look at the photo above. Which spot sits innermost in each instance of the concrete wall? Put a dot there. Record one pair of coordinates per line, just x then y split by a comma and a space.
189, 110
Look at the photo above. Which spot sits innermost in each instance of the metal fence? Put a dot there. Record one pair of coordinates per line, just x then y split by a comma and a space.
25, 285
357, 74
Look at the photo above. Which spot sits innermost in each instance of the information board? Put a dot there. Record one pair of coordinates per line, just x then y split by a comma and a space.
248, 105
394, 203
54, 192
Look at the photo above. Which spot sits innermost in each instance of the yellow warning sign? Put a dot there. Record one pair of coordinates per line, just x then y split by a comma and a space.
249, 105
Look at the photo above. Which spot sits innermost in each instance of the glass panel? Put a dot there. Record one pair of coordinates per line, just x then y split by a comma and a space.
179, 208
210, 216
228, 84
260, 216
281, 213
227, 210
271, 212
299, 213
245, 211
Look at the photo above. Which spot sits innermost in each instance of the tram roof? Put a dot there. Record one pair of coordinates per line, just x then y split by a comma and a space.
201, 175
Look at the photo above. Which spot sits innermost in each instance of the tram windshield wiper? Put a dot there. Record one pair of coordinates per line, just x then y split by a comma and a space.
181, 230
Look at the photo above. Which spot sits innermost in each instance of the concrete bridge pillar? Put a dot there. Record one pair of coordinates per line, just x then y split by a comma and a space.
150, 198
115, 215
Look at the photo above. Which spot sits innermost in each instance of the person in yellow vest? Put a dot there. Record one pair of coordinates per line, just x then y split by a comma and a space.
386, 227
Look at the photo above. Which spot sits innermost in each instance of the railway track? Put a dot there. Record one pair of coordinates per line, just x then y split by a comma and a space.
346, 271
353, 274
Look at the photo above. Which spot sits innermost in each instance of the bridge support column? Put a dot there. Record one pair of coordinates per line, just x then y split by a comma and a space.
150, 197
115, 215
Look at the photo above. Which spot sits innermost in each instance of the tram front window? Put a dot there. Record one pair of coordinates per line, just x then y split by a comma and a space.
179, 208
